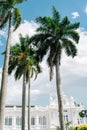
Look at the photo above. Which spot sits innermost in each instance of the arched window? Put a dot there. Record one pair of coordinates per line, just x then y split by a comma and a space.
32, 121
18, 120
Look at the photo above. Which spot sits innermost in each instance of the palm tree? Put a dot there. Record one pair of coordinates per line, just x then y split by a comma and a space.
35, 69
53, 36
11, 15
23, 61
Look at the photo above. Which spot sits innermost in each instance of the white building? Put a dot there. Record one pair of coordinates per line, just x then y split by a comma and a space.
44, 118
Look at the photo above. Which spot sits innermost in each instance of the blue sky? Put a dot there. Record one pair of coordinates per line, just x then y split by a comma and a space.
73, 71
33, 9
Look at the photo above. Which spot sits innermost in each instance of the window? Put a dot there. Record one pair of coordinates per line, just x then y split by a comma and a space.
32, 121
8, 121
18, 120
67, 118
40, 120
44, 120
65, 110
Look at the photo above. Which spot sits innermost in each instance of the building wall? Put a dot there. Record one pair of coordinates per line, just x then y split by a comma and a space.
43, 118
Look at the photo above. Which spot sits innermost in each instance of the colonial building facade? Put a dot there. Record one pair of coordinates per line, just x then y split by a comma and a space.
44, 118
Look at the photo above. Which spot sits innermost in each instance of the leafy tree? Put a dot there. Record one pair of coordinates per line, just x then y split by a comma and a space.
80, 127
83, 113
23, 62
53, 36
11, 15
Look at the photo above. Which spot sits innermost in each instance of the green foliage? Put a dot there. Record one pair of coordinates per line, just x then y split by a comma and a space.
23, 58
4, 20
56, 15
58, 128
8, 10
80, 127
16, 18
20, 1
83, 113
68, 125
55, 35
68, 128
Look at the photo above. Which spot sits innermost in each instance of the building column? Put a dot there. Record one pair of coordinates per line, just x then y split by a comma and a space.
14, 122
37, 122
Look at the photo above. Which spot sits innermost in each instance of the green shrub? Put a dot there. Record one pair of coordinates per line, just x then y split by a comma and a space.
80, 127
58, 128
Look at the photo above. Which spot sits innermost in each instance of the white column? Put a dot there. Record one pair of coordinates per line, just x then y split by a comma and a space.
14, 122
37, 122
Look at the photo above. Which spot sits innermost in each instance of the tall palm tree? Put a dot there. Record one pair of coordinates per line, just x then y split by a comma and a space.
11, 15
35, 69
53, 36
23, 61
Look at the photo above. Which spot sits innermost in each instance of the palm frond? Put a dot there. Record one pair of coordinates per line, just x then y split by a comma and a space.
14, 2
4, 20
73, 35
65, 22
28, 69
50, 65
42, 29
11, 2
38, 67
19, 1
19, 72
15, 50
56, 15
69, 47
72, 26
41, 20
33, 71
3, 3
16, 18
22, 42
12, 66
50, 60
71, 50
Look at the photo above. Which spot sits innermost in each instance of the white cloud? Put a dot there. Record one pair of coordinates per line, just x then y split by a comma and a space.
14, 91
26, 28
75, 15
86, 9
78, 64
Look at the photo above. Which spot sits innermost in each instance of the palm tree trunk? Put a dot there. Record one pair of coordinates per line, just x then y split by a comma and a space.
29, 105
59, 95
3, 90
23, 101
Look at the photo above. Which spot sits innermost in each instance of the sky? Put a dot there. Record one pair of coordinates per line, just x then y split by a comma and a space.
73, 71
